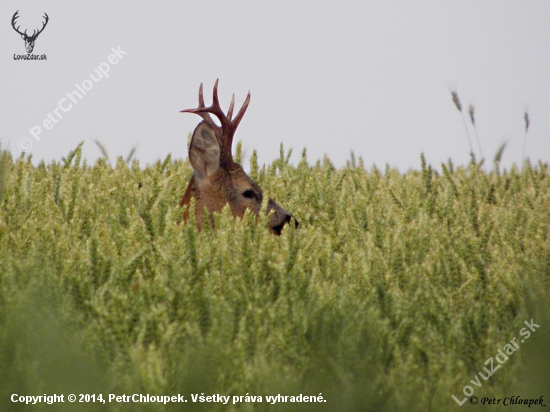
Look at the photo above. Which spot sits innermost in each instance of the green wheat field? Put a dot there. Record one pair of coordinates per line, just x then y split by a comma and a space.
391, 295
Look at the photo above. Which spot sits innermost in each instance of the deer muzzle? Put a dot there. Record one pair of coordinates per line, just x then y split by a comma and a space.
279, 218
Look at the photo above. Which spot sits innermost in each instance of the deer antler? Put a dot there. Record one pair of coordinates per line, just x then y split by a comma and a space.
43, 26
35, 33
226, 132
15, 16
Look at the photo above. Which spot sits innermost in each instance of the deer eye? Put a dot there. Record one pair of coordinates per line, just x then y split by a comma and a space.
249, 194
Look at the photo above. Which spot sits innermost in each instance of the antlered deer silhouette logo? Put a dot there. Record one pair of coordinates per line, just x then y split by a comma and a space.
29, 40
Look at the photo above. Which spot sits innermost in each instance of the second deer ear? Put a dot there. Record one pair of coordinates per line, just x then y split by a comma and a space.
204, 151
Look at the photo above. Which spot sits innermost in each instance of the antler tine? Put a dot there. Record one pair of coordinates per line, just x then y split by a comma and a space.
201, 97
241, 113
200, 110
230, 111
205, 115
215, 100
216, 109
232, 124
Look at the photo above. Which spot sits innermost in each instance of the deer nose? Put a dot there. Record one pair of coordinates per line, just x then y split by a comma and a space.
280, 217
289, 218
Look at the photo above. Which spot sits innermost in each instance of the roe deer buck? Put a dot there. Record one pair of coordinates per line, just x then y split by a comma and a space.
217, 180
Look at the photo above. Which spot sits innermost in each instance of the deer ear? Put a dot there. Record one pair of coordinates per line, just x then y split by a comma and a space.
204, 151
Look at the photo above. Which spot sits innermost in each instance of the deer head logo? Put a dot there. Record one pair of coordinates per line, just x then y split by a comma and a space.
217, 180
29, 40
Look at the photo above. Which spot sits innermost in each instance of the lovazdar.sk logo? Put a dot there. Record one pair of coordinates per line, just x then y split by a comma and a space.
29, 39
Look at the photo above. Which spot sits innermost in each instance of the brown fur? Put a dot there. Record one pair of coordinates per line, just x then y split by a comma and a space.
217, 180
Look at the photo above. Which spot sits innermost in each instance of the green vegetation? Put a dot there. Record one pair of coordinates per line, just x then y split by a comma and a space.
390, 296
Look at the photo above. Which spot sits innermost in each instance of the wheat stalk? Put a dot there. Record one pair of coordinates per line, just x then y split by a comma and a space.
526, 118
473, 120
458, 105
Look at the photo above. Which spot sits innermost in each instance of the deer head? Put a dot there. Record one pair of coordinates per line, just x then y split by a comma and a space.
217, 180
29, 40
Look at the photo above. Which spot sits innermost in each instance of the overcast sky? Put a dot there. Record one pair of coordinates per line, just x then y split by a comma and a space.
373, 77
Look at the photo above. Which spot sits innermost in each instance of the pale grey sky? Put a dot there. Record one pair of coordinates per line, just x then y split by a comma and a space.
373, 77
